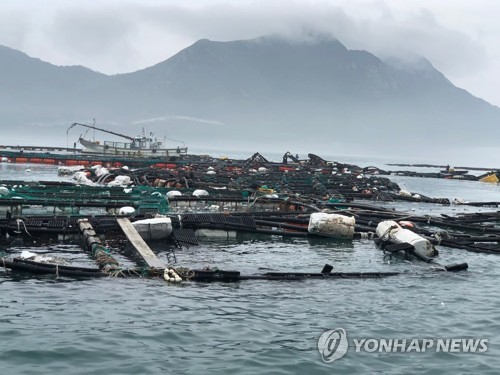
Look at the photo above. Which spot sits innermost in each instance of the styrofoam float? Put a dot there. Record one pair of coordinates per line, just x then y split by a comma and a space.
157, 228
331, 225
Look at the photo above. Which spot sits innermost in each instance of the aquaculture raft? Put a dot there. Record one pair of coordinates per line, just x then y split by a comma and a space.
144, 199
73, 157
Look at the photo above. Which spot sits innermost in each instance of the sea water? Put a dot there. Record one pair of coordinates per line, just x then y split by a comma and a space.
145, 326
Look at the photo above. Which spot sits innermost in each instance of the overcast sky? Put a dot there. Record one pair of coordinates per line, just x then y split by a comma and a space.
460, 37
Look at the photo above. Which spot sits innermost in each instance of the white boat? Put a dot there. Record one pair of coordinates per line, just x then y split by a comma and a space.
140, 146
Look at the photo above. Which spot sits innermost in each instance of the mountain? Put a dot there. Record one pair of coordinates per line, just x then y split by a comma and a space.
265, 93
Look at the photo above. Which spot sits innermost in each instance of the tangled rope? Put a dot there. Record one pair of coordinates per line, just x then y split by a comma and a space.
103, 258
125, 273
388, 231
440, 236
185, 273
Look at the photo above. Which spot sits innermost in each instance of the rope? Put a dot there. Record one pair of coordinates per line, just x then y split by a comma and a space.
251, 204
127, 272
104, 260
25, 229
438, 237
185, 273
116, 273
388, 231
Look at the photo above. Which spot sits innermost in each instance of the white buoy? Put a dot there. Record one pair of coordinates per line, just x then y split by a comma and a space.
173, 193
171, 275
101, 171
404, 193
120, 181
271, 196
81, 178
126, 210
200, 193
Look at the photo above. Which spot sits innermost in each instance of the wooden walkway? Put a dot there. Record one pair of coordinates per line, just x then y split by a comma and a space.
138, 243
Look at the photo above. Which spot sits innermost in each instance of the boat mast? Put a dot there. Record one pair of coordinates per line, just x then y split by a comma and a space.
102, 130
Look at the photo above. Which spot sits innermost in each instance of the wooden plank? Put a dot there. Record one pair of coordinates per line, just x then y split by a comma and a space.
142, 248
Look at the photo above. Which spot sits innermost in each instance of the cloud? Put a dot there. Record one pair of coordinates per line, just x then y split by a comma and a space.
15, 28
416, 33
112, 35
119, 36
176, 117
93, 38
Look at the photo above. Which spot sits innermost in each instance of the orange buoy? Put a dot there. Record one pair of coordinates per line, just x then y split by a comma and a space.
72, 162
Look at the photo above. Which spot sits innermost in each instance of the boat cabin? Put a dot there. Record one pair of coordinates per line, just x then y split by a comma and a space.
139, 143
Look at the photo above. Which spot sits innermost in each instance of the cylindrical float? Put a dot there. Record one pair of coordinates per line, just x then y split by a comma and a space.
391, 231
331, 225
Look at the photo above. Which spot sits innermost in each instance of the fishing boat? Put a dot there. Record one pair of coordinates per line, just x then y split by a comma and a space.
143, 146
453, 172
491, 177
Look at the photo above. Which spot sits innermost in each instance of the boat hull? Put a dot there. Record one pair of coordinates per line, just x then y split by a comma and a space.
97, 148
492, 178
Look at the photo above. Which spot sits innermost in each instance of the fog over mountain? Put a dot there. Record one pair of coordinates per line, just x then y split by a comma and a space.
264, 94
